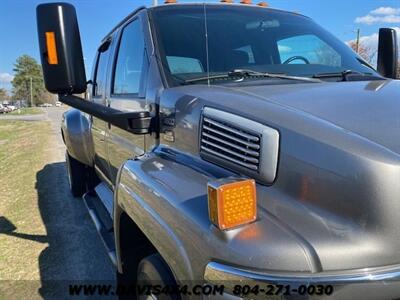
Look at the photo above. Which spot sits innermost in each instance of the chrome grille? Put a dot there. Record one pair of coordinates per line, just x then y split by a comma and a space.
230, 142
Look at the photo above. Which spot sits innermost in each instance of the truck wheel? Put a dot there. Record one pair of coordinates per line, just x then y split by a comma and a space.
76, 175
152, 270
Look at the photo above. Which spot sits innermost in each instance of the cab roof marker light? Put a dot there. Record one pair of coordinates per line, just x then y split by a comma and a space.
226, 1
52, 57
169, 1
245, 1
232, 202
263, 4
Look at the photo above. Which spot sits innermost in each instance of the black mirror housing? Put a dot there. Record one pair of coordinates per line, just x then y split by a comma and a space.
387, 53
60, 48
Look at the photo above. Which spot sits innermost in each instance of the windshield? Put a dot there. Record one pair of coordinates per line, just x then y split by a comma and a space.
245, 37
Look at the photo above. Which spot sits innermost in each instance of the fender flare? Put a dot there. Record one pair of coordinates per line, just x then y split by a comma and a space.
76, 133
127, 200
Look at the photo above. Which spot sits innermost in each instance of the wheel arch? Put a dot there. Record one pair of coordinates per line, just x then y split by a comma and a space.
132, 216
76, 133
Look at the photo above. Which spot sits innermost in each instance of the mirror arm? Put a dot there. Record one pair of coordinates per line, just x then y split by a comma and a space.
135, 122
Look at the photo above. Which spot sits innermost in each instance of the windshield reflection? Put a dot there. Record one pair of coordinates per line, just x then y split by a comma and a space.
246, 37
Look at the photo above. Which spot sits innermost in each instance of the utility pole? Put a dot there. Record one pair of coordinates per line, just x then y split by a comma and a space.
32, 104
358, 40
155, 2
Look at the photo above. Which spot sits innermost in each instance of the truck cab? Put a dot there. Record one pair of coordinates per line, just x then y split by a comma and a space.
233, 145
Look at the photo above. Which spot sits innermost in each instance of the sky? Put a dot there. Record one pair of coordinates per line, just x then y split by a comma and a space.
96, 18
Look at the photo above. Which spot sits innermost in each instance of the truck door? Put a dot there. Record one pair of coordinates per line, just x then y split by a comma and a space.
99, 127
127, 93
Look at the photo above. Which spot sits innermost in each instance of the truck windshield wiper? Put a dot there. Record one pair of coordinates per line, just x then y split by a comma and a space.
345, 75
243, 73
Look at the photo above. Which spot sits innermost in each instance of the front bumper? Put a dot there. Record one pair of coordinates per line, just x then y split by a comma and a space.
368, 283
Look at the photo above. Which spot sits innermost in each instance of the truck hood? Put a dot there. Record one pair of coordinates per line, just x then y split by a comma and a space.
370, 109
337, 183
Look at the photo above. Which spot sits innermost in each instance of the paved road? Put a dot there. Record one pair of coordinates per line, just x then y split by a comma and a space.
75, 251
39, 117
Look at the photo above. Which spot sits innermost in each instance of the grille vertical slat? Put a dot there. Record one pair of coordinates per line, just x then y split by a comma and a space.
230, 142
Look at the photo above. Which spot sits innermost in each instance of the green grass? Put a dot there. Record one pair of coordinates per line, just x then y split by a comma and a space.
23, 152
27, 111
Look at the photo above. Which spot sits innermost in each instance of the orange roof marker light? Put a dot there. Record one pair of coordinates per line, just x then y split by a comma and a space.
232, 202
169, 1
245, 1
52, 57
226, 1
263, 4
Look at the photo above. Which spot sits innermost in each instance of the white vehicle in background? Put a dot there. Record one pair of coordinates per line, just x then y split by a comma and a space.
2, 109
45, 105
58, 104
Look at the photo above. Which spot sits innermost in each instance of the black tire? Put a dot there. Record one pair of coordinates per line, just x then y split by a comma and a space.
153, 270
77, 175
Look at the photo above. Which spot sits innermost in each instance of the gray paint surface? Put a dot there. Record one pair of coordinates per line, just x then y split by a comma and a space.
333, 206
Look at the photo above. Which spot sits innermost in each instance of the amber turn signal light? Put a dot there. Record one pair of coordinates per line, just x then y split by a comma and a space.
232, 202
52, 58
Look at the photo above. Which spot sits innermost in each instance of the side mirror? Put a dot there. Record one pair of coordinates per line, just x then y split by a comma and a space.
387, 53
60, 48
64, 70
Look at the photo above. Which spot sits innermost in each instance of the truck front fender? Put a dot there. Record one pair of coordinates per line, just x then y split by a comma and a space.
76, 133
167, 200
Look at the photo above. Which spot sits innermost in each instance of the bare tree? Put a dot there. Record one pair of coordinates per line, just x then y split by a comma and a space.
364, 51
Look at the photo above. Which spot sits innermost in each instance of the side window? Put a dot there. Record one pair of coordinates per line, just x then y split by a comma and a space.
100, 76
309, 47
129, 65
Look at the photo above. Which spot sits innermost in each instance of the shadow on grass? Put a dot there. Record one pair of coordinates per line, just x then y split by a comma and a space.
74, 255
8, 228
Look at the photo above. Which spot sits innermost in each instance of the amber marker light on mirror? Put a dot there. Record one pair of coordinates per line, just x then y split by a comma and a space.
232, 202
52, 58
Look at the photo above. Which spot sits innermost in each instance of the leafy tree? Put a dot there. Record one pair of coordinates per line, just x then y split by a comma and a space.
3, 94
26, 69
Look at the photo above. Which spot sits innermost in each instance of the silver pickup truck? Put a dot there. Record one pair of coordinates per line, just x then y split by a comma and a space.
233, 146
